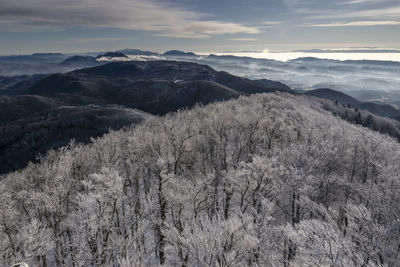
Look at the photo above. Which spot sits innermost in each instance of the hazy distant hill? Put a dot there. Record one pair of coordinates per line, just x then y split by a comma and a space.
128, 51
274, 84
80, 60
45, 63
380, 109
333, 95
179, 53
42, 57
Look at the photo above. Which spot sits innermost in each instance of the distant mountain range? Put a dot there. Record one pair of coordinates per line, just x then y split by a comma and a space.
42, 57
27, 65
47, 63
358, 50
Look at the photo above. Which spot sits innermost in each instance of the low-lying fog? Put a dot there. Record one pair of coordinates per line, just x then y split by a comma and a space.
366, 80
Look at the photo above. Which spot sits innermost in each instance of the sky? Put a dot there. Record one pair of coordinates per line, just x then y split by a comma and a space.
69, 26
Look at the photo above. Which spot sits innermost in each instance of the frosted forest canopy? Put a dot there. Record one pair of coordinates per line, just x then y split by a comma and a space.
265, 180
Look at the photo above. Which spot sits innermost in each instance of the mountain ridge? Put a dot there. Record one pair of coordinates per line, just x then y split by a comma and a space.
380, 109
108, 81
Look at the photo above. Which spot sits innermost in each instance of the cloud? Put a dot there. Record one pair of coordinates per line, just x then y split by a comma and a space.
386, 13
99, 39
243, 39
272, 22
146, 15
354, 2
391, 12
290, 3
358, 23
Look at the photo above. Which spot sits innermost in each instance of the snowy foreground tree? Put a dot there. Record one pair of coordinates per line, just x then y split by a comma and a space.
265, 180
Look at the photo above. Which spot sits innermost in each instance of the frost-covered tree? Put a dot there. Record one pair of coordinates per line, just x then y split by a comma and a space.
265, 180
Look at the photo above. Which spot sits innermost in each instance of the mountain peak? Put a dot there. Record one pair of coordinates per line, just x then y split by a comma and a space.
179, 53
112, 55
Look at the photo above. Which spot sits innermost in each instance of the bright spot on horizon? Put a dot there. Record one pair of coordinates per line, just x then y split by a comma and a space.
285, 56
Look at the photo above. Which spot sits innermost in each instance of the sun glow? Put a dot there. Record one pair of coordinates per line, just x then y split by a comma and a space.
285, 56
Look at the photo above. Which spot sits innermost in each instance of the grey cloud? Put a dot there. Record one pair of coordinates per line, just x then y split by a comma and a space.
160, 18
392, 12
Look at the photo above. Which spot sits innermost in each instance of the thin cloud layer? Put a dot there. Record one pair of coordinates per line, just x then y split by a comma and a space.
160, 18
339, 11
352, 2
358, 23
243, 39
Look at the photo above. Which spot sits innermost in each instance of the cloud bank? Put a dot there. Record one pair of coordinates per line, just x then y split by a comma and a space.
158, 17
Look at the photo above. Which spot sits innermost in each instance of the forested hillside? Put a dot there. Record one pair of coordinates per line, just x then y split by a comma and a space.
25, 140
41, 112
265, 180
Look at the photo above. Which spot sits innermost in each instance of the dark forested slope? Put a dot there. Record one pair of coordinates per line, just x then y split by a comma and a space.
333, 95
25, 139
352, 105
